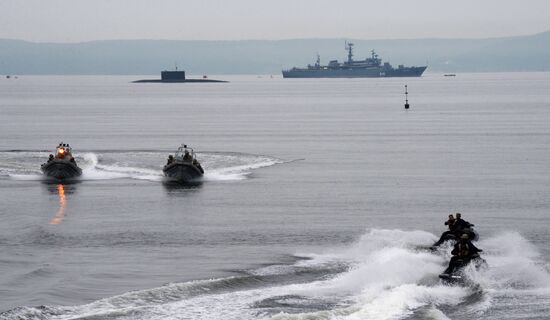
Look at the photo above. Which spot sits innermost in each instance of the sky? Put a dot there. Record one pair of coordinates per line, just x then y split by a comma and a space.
86, 20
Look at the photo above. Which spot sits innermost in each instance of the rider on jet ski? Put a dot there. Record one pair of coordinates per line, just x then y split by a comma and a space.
463, 252
457, 227
463, 226
451, 223
461, 223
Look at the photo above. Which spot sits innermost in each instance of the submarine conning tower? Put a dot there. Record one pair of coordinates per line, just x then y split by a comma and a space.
172, 76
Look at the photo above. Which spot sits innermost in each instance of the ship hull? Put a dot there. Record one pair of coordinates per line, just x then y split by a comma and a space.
61, 169
182, 172
354, 73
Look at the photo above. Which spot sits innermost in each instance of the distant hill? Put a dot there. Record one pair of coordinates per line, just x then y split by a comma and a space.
523, 53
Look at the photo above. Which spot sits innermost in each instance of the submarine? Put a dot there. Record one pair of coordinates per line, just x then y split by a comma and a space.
62, 165
176, 77
183, 166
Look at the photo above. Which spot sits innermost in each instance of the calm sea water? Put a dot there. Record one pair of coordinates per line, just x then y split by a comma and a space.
316, 197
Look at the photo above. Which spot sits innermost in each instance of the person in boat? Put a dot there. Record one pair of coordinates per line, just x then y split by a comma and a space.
198, 165
170, 159
187, 156
449, 234
50, 158
463, 252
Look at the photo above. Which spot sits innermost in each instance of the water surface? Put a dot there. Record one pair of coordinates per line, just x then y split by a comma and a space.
316, 197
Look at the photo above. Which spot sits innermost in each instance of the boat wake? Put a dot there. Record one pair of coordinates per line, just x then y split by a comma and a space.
142, 165
383, 275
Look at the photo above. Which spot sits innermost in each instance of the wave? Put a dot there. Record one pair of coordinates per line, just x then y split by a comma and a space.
238, 166
93, 169
26, 177
383, 275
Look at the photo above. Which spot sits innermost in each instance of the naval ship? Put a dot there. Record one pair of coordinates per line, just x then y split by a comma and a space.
369, 68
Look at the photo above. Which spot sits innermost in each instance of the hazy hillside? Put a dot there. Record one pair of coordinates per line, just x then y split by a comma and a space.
525, 53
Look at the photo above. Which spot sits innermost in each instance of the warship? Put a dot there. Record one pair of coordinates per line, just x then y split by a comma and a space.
369, 68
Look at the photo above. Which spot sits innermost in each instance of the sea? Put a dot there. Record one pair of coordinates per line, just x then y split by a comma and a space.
318, 200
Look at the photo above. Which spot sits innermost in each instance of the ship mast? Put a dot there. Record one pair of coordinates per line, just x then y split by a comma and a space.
349, 47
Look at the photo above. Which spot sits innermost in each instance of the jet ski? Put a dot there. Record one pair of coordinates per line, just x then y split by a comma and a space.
62, 165
183, 166
458, 276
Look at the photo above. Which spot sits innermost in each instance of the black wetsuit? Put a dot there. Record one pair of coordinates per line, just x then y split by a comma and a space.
463, 252
463, 227
462, 224
447, 234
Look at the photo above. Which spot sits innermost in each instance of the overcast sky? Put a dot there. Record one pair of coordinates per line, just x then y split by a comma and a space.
83, 20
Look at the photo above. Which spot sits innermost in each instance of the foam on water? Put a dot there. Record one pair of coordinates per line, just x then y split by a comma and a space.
380, 276
515, 263
26, 177
93, 169
240, 171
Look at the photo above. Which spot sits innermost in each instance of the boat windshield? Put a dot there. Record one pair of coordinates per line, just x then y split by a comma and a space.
185, 154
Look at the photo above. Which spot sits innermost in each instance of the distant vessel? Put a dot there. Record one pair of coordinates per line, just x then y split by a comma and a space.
450, 75
62, 165
369, 68
175, 77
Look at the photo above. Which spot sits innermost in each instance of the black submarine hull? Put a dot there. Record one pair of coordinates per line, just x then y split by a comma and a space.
182, 172
179, 81
61, 169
